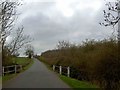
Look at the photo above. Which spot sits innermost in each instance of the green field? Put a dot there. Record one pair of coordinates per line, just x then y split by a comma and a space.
76, 84
21, 61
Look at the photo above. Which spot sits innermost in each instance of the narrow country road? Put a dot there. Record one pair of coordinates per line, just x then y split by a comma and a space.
37, 76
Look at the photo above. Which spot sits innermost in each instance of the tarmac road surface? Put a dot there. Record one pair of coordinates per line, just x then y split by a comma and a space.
37, 76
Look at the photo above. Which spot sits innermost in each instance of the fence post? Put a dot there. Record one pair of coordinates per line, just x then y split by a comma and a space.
20, 67
68, 71
3, 71
15, 69
53, 67
60, 69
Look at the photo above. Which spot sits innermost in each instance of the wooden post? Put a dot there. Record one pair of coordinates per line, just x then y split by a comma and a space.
20, 67
53, 67
60, 69
3, 71
68, 71
15, 69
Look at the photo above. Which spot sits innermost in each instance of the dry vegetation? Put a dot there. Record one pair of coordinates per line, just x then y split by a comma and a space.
94, 61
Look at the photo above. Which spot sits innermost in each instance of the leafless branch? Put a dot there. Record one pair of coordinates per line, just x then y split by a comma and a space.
19, 40
8, 15
111, 14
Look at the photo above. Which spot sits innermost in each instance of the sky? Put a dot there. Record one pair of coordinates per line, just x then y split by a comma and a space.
50, 21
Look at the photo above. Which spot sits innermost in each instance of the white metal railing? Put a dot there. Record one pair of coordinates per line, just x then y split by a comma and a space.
60, 69
6, 70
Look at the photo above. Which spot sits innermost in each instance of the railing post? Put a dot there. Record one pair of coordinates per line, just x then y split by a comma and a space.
15, 69
20, 67
60, 70
3, 71
53, 67
68, 71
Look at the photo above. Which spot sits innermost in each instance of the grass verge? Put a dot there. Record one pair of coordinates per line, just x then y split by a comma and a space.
76, 84
46, 64
21, 61
8, 77
29, 65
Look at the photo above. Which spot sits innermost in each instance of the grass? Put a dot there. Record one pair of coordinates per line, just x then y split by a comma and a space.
21, 61
76, 84
46, 64
8, 77
29, 65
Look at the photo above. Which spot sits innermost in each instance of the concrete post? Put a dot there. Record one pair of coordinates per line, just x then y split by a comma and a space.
20, 67
53, 67
60, 70
15, 69
3, 71
68, 71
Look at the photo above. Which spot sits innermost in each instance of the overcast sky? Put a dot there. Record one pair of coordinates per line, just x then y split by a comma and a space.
50, 21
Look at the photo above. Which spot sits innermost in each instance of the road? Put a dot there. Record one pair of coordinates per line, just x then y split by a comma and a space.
37, 76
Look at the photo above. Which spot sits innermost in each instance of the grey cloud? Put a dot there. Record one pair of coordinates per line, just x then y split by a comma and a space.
47, 25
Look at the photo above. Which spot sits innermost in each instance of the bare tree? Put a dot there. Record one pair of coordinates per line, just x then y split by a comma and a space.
112, 15
18, 41
7, 18
63, 44
29, 51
